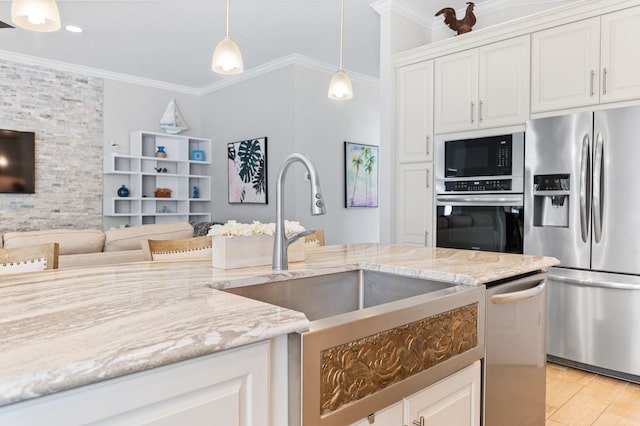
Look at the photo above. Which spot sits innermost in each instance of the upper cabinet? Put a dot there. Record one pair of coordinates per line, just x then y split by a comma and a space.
620, 55
415, 112
565, 66
586, 62
483, 88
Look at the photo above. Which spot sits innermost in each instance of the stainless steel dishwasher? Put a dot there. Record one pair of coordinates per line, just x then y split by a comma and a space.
515, 371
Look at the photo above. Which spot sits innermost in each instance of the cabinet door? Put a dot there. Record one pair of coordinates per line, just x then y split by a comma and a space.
620, 56
456, 91
454, 401
415, 204
565, 63
227, 388
415, 112
390, 416
503, 85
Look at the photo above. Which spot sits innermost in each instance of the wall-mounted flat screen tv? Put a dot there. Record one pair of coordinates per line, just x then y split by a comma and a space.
17, 162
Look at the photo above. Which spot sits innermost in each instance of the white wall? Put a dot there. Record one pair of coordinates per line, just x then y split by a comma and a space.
290, 107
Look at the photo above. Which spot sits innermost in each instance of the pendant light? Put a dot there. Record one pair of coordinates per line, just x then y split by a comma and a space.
340, 85
36, 15
227, 58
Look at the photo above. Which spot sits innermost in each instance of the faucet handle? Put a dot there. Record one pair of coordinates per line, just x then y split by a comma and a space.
297, 235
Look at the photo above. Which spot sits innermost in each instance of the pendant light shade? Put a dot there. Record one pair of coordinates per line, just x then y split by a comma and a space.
227, 58
36, 15
340, 86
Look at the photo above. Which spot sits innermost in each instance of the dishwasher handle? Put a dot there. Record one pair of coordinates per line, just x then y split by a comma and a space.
517, 296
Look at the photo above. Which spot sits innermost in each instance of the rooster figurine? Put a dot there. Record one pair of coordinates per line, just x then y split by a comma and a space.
460, 25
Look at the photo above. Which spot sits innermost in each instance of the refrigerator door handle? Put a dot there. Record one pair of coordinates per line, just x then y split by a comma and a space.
597, 188
517, 296
593, 283
584, 188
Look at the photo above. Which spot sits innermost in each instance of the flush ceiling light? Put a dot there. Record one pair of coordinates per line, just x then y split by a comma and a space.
227, 58
73, 28
36, 15
340, 85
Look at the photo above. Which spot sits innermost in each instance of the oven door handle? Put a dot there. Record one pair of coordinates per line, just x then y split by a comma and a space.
507, 200
517, 296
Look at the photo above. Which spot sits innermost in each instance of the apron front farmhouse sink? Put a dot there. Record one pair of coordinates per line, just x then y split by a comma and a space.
373, 339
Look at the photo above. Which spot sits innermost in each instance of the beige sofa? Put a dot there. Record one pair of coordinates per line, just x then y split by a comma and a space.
92, 247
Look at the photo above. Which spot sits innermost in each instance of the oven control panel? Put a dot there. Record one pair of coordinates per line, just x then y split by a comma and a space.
478, 185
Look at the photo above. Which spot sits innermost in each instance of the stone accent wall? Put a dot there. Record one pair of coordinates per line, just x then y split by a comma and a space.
65, 111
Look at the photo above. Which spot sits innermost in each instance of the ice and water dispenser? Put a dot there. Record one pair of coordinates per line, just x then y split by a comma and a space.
551, 200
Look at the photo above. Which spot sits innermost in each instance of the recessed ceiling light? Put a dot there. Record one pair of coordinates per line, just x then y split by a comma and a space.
73, 29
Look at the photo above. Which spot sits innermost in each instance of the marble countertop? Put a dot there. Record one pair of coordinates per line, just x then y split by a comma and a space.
67, 328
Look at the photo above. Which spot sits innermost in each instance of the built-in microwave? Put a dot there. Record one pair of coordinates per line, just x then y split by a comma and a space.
486, 164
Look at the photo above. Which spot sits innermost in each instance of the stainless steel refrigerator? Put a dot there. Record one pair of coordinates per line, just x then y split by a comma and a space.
582, 206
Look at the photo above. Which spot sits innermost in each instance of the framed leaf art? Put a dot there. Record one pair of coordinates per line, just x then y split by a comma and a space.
247, 163
360, 175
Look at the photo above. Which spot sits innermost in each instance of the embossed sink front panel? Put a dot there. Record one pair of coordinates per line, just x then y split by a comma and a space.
374, 338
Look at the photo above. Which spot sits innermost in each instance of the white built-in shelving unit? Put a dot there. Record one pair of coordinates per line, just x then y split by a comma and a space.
142, 173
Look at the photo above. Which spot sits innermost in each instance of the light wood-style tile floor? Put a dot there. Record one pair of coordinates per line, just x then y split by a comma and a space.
576, 397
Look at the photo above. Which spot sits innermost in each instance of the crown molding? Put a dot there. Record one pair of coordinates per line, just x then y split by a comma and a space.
285, 61
436, 22
95, 72
489, 7
294, 59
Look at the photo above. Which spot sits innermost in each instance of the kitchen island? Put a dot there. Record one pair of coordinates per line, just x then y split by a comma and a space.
62, 330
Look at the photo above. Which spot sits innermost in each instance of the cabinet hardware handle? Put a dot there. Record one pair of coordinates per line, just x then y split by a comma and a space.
604, 81
593, 75
479, 111
426, 238
427, 180
427, 141
419, 422
472, 106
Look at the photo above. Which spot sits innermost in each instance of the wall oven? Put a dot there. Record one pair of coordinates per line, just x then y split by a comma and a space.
479, 193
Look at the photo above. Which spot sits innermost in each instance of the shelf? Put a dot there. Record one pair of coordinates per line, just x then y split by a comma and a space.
138, 171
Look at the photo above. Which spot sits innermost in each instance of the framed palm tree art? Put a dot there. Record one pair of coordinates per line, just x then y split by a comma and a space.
247, 164
361, 175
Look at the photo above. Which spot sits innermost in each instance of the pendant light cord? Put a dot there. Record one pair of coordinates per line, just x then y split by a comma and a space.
341, 31
228, 18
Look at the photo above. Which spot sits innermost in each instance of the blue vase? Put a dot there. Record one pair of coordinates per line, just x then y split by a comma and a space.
123, 191
160, 152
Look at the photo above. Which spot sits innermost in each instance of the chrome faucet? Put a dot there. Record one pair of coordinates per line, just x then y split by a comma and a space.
281, 241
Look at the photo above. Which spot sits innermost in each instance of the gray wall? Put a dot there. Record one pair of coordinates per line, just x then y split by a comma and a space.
76, 121
290, 107
65, 111
131, 107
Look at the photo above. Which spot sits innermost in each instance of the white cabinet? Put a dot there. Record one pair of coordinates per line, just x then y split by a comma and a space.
390, 416
565, 66
503, 88
415, 112
161, 189
453, 401
586, 62
620, 55
456, 92
483, 88
227, 388
415, 212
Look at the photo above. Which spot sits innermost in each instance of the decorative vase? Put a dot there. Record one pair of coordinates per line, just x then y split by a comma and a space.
161, 152
123, 191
